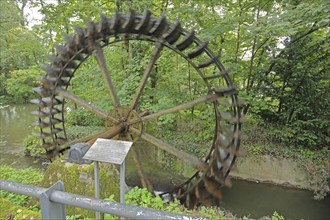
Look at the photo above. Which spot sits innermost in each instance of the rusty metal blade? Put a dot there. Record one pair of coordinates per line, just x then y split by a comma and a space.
198, 51
143, 27
213, 188
207, 63
189, 39
115, 22
159, 28
173, 35
214, 76
129, 24
56, 72
46, 101
43, 92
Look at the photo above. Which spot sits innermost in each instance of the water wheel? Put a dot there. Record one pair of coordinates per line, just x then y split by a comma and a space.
204, 109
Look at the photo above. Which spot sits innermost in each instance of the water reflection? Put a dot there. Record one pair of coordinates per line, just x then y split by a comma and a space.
15, 124
257, 200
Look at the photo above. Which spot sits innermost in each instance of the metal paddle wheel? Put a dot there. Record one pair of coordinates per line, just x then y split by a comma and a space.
208, 96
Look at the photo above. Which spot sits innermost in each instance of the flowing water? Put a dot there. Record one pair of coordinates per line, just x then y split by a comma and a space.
256, 200
243, 199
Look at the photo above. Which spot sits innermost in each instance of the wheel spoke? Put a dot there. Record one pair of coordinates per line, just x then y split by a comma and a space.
91, 138
183, 106
143, 177
66, 94
102, 65
107, 134
154, 56
192, 160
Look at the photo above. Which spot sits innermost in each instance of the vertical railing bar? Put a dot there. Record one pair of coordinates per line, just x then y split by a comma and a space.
49, 209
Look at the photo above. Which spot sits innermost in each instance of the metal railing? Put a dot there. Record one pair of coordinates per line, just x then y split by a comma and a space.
54, 199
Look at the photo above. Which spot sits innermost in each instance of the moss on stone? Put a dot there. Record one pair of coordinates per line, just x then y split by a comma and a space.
79, 179
11, 211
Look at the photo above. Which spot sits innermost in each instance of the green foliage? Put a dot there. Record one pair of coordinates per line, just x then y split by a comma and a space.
20, 83
143, 198
174, 206
75, 132
81, 117
12, 211
27, 176
318, 165
211, 212
78, 217
277, 216
275, 51
255, 150
33, 145
23, 49
10, 19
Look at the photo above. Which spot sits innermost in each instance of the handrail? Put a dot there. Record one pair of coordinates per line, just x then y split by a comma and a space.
57, 197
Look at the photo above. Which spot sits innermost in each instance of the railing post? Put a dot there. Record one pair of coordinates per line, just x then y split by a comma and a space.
51, 210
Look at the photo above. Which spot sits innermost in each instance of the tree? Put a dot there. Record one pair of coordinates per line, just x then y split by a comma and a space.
9, 18
20, 84
277, 52
20, 47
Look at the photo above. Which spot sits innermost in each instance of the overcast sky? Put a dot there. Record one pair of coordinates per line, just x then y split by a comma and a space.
33, 15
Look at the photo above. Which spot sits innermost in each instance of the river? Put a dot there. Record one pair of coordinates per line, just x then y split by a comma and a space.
15, 124
243, 199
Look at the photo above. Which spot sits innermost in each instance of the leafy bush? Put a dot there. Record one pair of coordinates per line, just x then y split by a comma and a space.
318, 166
211, 212
75, 132
20, 83
27, 176
82, 117
277, 216
10, 211
143, 198
33, 145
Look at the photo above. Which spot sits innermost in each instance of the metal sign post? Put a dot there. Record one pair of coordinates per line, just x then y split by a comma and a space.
122, 182
97, 185
108, 151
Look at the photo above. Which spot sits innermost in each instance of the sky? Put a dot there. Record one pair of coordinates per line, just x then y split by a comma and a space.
33, 15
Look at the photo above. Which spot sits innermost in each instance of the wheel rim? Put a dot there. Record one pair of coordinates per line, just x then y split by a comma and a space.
128, 121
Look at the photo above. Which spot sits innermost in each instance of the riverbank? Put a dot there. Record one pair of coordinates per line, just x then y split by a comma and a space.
264, 163
272, 170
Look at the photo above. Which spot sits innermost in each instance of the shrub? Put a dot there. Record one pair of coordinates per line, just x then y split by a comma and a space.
10, 211
27, 176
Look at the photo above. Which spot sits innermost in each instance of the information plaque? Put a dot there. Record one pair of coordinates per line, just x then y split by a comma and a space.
108, 151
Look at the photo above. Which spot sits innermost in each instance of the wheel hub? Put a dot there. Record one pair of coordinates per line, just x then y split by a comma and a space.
126, 118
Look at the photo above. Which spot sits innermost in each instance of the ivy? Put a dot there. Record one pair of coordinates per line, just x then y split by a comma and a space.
26, 176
